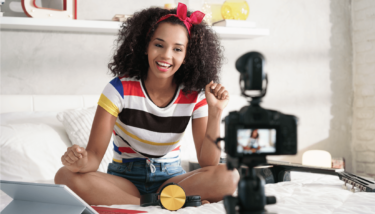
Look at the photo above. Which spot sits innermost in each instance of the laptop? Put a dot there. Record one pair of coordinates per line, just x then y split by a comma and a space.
38, 198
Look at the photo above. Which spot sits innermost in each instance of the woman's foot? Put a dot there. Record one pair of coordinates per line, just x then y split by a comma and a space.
205, 202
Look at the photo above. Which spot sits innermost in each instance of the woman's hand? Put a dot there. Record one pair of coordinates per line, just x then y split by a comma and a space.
217, 96
75, 158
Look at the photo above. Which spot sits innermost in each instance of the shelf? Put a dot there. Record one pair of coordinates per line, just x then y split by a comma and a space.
18, 23
108, 27
240, 33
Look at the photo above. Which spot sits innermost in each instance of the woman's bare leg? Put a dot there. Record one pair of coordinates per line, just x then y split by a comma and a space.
97, 188
212, 183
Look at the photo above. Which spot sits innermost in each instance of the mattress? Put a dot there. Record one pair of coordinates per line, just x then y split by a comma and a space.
306, 193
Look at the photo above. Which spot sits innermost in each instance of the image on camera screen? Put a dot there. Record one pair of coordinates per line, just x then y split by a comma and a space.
258, 141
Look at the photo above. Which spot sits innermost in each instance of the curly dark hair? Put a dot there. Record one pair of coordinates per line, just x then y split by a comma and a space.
203, 58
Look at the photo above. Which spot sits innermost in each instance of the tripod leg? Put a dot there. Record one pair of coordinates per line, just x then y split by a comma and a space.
280, 174
230, 204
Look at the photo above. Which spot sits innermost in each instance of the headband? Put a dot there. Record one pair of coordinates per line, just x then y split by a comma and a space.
195, 18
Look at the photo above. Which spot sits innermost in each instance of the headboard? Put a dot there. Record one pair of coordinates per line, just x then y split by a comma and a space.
32, 103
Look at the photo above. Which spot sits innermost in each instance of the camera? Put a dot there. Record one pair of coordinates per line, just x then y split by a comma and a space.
254, 130
257, 131
251, 134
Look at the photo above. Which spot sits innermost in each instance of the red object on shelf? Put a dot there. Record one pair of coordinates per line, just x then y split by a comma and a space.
106, 210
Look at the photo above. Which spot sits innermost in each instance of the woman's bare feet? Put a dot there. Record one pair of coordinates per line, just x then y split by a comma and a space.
205, 202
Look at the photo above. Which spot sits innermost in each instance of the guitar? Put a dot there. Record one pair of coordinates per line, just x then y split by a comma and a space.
363, 184
281, 169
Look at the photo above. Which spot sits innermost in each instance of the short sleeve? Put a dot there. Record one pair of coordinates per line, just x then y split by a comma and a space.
201, 107
112, 97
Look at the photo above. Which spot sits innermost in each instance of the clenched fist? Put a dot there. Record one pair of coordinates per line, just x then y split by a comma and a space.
216, 95
75, 158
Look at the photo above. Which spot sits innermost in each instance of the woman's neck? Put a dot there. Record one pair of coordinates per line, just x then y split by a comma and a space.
157, 86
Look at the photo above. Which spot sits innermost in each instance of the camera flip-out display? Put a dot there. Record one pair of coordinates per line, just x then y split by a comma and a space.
259, 141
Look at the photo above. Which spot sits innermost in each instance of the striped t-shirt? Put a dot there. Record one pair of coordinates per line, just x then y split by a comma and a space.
144, 130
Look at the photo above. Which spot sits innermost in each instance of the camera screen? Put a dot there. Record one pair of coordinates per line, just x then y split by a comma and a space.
258, 141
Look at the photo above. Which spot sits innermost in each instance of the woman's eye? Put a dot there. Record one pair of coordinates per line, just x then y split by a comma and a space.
177, 49
158, 45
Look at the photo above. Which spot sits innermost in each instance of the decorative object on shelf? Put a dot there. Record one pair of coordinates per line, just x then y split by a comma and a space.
32, 10
212, 9
206, 9
216, 11
234, 23
12, 8
169, 6
1, 3
121, 17
235, 9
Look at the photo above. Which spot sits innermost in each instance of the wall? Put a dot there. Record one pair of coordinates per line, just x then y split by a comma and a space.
36, 62
363, 19
309, 66
308, 62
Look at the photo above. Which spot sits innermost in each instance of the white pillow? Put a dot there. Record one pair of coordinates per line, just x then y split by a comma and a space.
77, 125
30, 152
38, 117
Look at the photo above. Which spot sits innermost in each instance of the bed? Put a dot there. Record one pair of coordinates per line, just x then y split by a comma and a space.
38, 129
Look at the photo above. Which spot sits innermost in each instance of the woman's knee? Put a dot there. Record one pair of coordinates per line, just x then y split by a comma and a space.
60, 176
66, 177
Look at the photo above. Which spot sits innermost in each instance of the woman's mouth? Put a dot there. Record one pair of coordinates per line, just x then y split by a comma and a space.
163, 66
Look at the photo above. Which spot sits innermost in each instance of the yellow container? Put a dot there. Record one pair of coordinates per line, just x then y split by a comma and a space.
216, 12
169, 6
235, 9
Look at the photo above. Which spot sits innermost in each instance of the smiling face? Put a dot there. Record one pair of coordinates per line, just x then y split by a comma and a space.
166, 50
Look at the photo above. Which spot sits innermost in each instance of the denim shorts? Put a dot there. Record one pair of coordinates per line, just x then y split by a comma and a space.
141, 175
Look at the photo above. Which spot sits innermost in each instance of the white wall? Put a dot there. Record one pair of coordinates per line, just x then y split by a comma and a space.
308, 62
363, 19
309, 67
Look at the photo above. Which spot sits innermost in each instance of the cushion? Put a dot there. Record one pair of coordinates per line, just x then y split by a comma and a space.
47, 118
30, 152
77, 125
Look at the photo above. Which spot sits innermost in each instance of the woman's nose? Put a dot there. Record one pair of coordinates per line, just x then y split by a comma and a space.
167, 53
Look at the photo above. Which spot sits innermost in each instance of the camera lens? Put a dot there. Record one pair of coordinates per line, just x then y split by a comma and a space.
256, 60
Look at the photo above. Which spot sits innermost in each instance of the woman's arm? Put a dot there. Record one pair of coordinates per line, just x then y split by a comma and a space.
207, 129
100, 135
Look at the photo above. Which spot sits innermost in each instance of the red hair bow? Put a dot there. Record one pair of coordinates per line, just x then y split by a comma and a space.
195, 18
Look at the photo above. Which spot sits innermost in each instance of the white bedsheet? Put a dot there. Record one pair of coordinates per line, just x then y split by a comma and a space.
306, 193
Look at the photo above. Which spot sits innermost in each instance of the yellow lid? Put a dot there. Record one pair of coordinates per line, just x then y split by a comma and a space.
172, 197
169, 6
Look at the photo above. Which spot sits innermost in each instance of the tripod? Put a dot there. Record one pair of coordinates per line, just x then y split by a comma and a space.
251, 198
